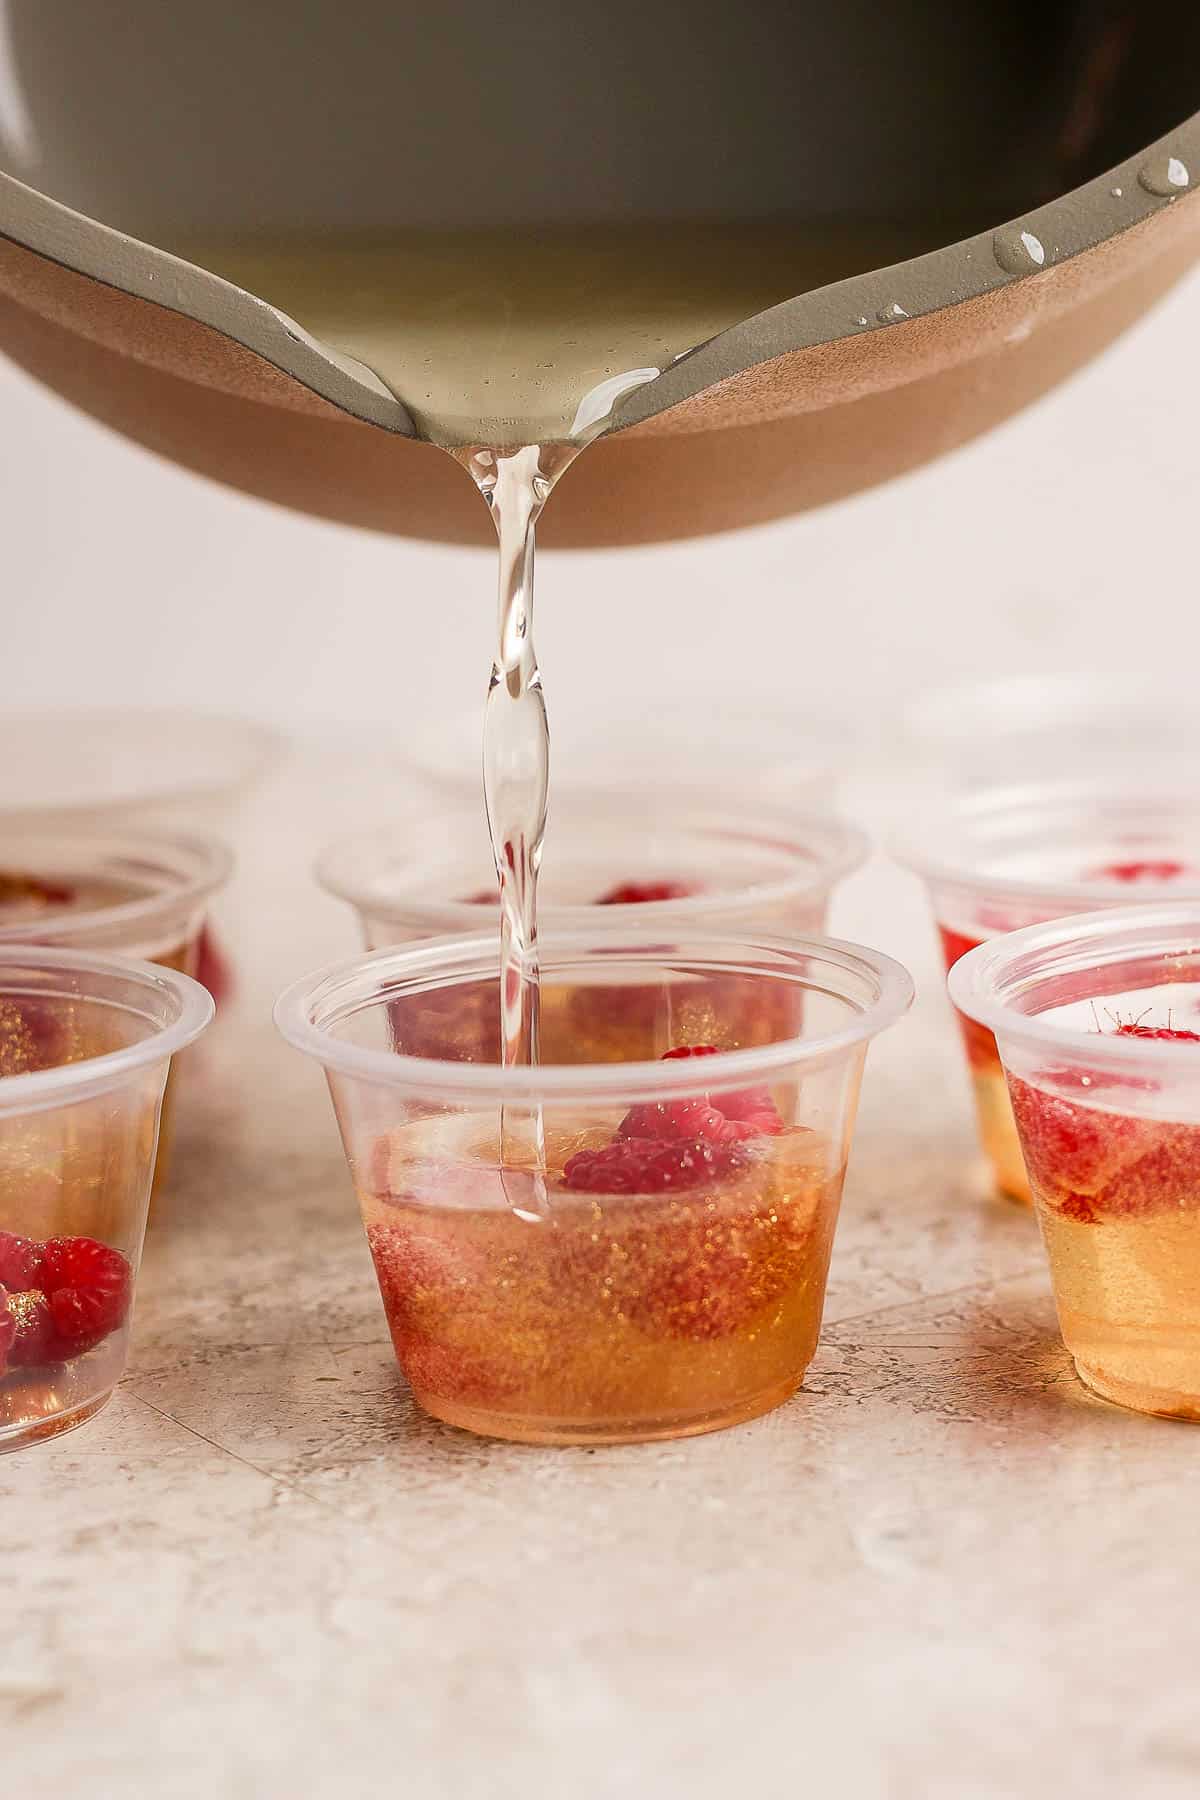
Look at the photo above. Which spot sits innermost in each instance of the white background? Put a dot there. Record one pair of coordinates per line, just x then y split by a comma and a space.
1066, 538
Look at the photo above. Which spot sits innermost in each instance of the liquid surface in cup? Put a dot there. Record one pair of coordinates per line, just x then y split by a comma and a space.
617, 1315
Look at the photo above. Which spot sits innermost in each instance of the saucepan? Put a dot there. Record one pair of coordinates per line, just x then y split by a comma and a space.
1036, 162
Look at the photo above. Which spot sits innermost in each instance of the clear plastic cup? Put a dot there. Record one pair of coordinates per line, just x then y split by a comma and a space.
1001, 859
1098, 1022
85, 1045
665, 1274
699, 752
702, 870
1083, 726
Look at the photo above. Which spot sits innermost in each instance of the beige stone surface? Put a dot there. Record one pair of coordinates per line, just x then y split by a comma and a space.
943, 1571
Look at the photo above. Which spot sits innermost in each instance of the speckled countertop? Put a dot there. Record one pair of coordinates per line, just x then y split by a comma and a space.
942, 1571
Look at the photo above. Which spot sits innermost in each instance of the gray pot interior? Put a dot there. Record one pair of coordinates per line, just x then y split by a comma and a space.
166, 122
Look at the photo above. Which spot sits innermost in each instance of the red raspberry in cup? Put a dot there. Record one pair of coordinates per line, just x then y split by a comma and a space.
20, 1261
34, 1338
731, 1118
1068, 1147
641, 893
1163, 1034
87, 1286
8, 1331
650, 1166
1151, 869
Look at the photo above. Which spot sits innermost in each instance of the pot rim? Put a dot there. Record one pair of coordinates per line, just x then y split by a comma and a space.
895, 298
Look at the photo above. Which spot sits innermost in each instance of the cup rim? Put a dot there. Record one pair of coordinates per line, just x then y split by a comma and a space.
1095, 938
847, 848
44, 1088
261, 745
920, 850
214, 860
565, 1081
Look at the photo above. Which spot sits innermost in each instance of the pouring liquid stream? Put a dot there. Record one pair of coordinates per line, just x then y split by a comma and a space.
516, 782
511, 350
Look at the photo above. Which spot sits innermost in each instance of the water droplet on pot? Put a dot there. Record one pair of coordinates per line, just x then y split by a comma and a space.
1117, 193
861, 319
890, 314
1165, 176
1019, 252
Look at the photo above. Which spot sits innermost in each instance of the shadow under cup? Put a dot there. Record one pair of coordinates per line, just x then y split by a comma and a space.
660, 1270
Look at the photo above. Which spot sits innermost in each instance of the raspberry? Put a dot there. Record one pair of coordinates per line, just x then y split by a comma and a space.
1089, 1164
28, 892
955, 944
213, 969
749, 1113
1068, 1147
34, 1340
637, 893
978, 1041
1166, 1178
20, 1260
8, 1331
646, 1166
87, 1286
1164, 870
749, 1106
1162, 1034
678, 1120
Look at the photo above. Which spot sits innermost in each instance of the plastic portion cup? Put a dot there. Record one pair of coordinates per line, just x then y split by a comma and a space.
1005, 858
706, 871
1085, 726
1098, 1022
663, 1272
691, 754
85, 1045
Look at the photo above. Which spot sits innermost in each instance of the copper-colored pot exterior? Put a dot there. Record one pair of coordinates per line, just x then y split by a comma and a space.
830, 393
